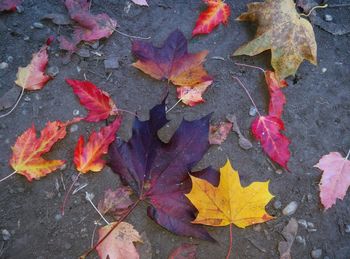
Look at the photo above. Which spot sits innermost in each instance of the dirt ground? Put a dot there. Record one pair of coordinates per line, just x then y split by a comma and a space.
317, 118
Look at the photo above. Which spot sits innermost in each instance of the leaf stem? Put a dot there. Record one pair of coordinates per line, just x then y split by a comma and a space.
172, 107
14, 107
3, 179
246, 65
83, 256
121, 110
67, 193
230, 247
245, 89
93, 205
314, 8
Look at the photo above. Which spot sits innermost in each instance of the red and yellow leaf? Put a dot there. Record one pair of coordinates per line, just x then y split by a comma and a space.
33, 77
97, 102
88, 158
28, 150
193, 95
267, 129
216, 13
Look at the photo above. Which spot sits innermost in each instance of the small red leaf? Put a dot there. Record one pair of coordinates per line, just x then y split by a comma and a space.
216, 13
267, 129
218, 133
97, 102
185, 251
277, 98
9, 5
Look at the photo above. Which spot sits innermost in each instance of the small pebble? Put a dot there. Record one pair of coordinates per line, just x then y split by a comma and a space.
157, 251
3, 65
67, 246
111, 63
74, 128
316, 253
26, 38
5, 234
84, 53
279, 171
328, 18
252, 111
324, 70
20, 9
290, 208
277, 205
300, 240
37, 97
58, 217
53, 71
76, 112
95, 45
347, 228
309, 197
310, 225
27, 99
302, 222
257, 228
63, 167
78, 69
10, 59
38, 25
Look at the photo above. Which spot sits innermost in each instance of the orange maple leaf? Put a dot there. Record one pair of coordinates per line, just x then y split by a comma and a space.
88, 158
28, 150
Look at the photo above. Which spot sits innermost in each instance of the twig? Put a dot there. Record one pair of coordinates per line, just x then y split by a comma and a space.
67, 193
218, 57
131, 36
79, 188
93, 205
245, 89
314, 8
172, 107
14, 107
246, 65
93, 235
3, 179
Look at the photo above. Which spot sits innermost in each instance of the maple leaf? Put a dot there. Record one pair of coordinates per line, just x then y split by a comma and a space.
140, 2
9, 5
218, 133
28, 150
335, 178
32, 77
216, 13
116, 202
229, 202
267, 129
192, 95
280, 28
184, 251
171, 61
120, 243
88, 158
158, 171
97, 102
89, 27
277, 98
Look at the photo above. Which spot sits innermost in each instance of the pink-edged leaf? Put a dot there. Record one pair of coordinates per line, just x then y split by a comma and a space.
218, 133
192, 96
267, 129
335, 179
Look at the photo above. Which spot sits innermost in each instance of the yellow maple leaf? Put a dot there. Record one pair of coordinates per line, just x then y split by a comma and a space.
230, 202
280, 28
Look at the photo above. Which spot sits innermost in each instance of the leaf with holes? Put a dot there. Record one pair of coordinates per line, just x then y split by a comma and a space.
158, 171
216, 13
97, 102
335, 179
88, 157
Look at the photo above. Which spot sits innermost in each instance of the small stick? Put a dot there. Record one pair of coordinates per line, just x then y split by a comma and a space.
3, 179
172, 107
93, 235
67, 193
218, 58
93, 205
246, 65
130, 36
14, 107
314, 8
79, 188
245, 89
230, 247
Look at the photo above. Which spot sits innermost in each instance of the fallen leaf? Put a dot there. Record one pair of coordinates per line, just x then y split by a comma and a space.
243, 142
88, 158
229, 202
171, 61
289, 233
32, 77
97, 102
120, 243
9, 5
89, 27
116, 202
140, 2
218, 133
9, 98
158, 172
267, 129
184, 251
277, 98
59, 19
216, 13
28, 150
280, 28
335, 179
193, 95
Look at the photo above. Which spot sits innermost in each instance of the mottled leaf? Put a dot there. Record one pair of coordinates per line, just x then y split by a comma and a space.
218, 133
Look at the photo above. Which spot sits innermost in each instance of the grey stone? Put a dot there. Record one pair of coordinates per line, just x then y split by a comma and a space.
76, 112
5, 234
74, 128
290, 208
58, 217
277, 204
300, 240
20, 8
111, 63
84, 53
26, 38
4, 65
347, 228
252, 111
38, 25
303, 222
53, 71
328, 18
316, 253
10, 59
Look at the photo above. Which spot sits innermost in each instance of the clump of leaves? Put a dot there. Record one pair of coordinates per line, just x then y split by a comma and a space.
280, 28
